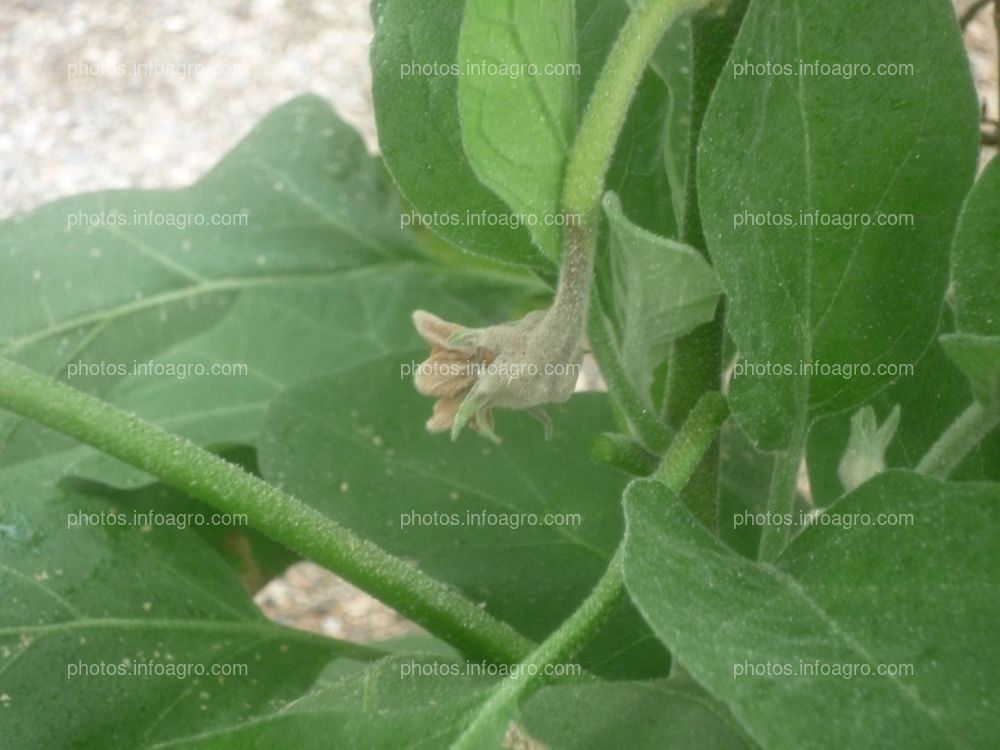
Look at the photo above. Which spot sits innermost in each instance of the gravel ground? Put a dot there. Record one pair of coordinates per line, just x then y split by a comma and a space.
107, 94
117, 94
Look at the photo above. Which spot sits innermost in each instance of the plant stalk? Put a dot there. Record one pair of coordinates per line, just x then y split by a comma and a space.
693, 441
961, 437
487, 728
695, 364
684, 454
609, 103
583, 185
179, 463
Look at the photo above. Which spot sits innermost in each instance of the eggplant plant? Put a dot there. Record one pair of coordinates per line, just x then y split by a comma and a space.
775, 523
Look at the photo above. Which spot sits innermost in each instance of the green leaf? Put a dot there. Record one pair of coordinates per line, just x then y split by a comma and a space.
806, 291
663, 290
256, 557
637, 173
419, 131
84, 599
470, 513
316, 208
517, 104
287, 334
399, 703
978, 357
919, 598
713, 33
658, 714
975, 270
319, 279
744, 484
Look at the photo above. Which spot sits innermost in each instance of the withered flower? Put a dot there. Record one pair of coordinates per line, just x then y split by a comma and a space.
522, 364
450, 373
517, 365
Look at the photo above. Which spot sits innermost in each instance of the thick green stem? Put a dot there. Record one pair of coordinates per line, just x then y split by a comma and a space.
964, 434
693, 441
696, 359
695, 369
608, 105
183, 465
784, 492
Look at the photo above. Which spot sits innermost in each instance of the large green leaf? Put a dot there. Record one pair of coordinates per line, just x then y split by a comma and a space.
517, 104
317, 280
416, 108
354, 446
918, 599
89, 604
316, 207
874, 146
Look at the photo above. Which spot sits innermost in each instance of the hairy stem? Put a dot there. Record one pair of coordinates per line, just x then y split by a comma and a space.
695, 365
608, 106
586, 168
488, 726
784, 491
693, 441
961, 437
181, 464
684, 454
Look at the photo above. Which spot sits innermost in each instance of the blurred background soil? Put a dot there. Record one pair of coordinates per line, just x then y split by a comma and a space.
70, 122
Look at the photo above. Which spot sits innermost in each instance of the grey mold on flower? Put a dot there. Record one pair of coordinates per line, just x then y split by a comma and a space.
522, 364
